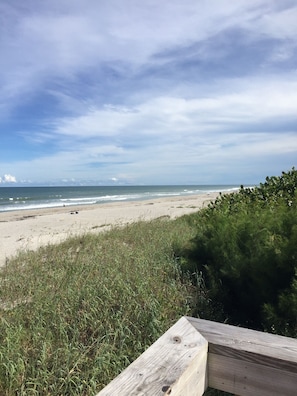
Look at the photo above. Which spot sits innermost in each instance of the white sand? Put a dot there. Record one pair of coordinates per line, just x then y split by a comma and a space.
30, 229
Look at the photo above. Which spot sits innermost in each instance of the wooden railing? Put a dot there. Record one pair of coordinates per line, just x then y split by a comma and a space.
195, 354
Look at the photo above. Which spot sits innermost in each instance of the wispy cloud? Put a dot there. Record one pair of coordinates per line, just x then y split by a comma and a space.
154, 92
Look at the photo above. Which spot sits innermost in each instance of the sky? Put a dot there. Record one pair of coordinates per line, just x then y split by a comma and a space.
147, 92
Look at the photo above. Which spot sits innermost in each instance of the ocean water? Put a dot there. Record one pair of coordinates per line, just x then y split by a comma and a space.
22, 198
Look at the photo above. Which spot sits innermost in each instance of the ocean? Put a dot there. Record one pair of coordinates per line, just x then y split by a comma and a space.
23, 198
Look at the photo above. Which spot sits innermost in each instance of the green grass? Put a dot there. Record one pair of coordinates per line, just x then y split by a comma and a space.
74, 315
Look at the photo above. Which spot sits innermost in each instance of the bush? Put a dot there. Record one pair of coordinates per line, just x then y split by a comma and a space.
246, 249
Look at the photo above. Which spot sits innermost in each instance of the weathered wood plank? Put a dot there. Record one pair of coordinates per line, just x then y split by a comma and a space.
175, 364
247, 340
249, 379
247, 362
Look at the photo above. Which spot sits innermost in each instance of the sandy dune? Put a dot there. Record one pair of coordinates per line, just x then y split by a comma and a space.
29, 229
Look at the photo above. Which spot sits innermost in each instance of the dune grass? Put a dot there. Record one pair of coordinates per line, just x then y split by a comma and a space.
74, 315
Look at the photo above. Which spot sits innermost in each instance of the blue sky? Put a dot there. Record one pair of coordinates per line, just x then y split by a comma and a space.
147, 92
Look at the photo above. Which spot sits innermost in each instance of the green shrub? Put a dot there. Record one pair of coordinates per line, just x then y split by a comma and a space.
246, 249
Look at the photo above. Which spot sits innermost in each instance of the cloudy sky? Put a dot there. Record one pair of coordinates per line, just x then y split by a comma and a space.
147, 92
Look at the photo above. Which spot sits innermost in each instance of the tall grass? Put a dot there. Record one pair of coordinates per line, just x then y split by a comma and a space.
74, 315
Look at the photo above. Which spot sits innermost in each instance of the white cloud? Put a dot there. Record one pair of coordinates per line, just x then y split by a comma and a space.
59, 40
254, 101
278, 24
8, 179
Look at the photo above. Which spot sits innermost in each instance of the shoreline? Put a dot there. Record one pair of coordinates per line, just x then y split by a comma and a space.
23, 230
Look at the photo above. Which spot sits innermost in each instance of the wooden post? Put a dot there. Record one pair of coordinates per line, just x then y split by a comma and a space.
174, 365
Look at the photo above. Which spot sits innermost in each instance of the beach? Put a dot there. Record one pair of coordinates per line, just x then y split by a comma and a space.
29, 229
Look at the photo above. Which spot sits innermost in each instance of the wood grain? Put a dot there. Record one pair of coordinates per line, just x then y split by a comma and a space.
174, 365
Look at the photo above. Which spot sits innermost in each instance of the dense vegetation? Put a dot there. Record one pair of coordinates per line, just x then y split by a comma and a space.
73, 316
245, 249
